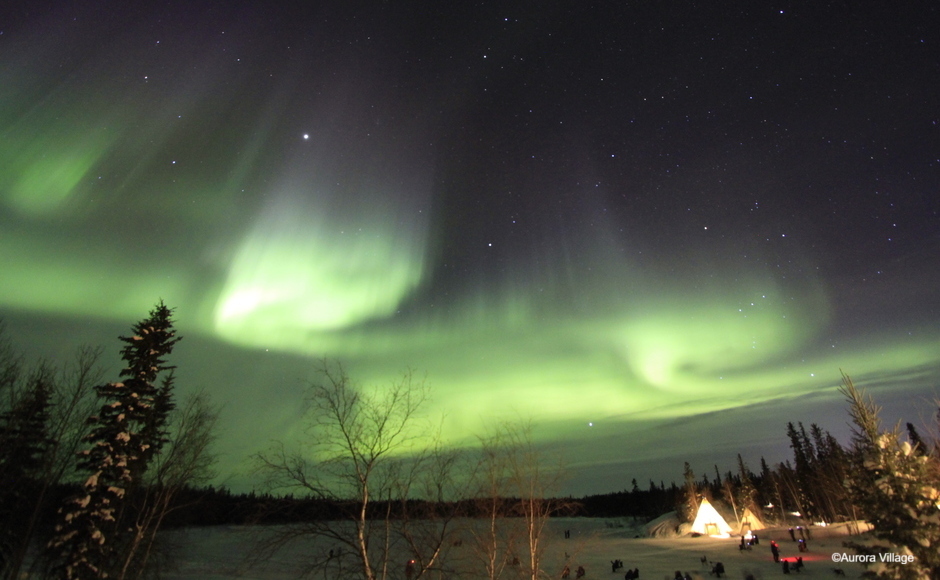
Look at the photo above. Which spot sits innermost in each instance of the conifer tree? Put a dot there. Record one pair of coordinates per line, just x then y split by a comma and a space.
42, 416
128, 431
898, 491
804, 459
747, 493
915, 439
24, 444
689, 505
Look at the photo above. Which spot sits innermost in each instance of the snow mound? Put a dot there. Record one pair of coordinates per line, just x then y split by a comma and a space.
665, 526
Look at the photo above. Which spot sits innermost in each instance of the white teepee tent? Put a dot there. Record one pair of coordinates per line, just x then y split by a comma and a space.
750, 522
709, 522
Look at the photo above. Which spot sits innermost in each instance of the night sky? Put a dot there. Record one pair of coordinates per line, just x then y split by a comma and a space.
656, 229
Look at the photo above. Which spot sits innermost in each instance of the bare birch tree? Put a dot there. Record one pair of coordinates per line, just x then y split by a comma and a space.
493, 540
362, 455
517, 480
186, 461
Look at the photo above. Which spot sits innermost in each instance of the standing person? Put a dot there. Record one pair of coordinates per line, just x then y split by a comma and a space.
775, 551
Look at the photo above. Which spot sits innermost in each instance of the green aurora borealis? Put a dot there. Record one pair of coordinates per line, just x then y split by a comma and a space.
627, 250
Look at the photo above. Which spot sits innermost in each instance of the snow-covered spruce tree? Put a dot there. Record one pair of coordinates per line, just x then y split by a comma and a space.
897, 488
128, 431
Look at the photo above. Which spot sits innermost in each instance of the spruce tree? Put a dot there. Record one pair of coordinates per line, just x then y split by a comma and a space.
24, 445
897, 488
689, 505
128, 431
747, 493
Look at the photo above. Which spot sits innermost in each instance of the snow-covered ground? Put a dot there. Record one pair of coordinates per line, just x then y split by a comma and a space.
221, 552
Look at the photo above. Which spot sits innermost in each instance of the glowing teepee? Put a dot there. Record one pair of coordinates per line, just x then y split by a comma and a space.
750, 522
709, 522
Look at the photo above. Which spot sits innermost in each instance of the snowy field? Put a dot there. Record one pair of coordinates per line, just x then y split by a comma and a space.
220, 552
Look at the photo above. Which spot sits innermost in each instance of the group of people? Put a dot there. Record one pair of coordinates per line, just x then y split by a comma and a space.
748, 541
804, 533
718, 569
566, 572
629, 575
797, 566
